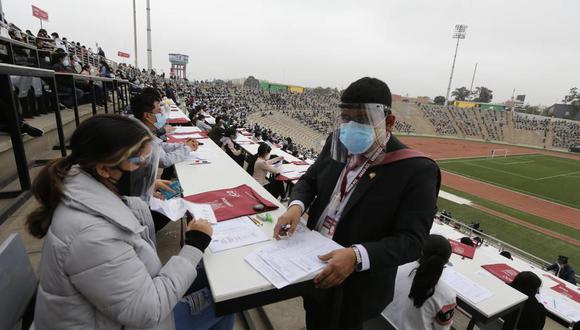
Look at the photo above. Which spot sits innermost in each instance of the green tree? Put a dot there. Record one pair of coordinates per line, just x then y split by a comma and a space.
573, 97
439, 100
461, 94
483, 94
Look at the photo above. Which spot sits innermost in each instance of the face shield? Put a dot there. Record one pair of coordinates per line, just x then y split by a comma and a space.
142, 179
358, 128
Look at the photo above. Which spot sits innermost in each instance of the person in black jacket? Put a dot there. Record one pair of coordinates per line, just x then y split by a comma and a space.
533, 315
563, 270
378, 208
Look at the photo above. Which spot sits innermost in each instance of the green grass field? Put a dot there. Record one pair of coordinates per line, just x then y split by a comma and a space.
529, 240
552, 178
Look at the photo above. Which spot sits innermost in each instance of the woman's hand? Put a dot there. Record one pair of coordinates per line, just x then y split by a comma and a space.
201, 225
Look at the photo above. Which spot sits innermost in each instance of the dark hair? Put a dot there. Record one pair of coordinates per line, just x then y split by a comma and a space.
467, 241
263, 150
153, 91
506, 254
230, 132
96, 140
142, 103
436, 253
563, 259
527, 283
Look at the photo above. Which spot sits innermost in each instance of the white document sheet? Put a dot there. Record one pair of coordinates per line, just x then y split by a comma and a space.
176, 114
174, 208
559, 305
201, 211
234, 233
186, 129
465, 287
293, 258
189, 136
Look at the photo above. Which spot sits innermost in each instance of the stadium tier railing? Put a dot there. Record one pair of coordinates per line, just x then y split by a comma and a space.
496, 243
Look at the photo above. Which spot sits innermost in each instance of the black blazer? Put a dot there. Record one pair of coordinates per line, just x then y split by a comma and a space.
390, 214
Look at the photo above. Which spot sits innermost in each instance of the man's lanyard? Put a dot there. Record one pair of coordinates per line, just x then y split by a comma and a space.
344, 189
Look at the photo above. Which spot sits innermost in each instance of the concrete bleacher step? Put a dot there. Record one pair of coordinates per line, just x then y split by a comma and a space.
36, 147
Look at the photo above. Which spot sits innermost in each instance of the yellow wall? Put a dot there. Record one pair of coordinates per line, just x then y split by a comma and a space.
463, 104
296, 89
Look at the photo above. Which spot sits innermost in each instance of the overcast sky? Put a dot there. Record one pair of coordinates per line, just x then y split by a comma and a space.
530, 45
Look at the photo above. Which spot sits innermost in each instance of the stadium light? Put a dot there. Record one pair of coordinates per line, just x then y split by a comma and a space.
459, 33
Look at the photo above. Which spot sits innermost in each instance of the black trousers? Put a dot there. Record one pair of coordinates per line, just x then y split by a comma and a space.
276, 188
159, 220
324, 311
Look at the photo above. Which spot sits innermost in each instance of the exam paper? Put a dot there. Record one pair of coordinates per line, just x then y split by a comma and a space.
194, 135
292, 259
201, 211
235, 233
176, 207
559, 306
186, 129
465, 287
173, 208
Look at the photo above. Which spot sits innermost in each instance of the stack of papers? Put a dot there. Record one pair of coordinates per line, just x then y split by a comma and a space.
175, 209
465, 287
186, 129
235, 233
194, 135
559, 306
289, 260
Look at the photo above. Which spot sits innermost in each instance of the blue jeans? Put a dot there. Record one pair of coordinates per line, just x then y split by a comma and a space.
196, 309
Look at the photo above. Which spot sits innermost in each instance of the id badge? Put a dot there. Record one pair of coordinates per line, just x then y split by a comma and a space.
328, 227
334, 204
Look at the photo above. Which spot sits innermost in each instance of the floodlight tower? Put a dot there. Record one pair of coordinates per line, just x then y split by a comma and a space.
458, 34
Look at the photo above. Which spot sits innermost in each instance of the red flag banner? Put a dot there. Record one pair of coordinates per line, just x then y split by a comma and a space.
39, 13
122, 54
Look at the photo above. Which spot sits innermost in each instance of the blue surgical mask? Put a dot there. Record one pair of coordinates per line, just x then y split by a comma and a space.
357, 138
161, 119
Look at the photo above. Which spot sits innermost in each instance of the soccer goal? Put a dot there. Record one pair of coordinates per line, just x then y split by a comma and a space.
499, 153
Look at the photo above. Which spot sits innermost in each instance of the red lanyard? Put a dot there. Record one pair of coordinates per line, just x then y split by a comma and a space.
344, 190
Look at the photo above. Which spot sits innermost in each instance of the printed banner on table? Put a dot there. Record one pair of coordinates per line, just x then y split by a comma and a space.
178, 120
566, 291
461, 249
502, 271
232, 202
39, 13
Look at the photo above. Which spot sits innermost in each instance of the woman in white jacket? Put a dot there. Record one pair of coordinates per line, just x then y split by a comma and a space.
99, 267
421, 299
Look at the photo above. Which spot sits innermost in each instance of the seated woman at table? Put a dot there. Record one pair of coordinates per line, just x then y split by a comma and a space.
533, 315
227, 144
421, 299
261, 165
99, 266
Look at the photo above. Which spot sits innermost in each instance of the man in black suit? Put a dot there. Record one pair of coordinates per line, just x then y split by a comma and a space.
371, 194
563, 270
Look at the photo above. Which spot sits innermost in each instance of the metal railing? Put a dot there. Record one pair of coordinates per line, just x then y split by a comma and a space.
14, 122
496, 243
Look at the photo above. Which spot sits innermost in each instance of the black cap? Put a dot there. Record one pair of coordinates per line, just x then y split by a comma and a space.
367, 90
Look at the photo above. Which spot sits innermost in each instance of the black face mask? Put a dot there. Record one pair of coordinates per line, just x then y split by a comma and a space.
123, 184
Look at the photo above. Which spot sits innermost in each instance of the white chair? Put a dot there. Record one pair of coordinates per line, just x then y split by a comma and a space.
17, 284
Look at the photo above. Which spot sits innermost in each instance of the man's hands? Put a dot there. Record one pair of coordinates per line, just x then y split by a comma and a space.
290, 219
339, 265
192, 143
